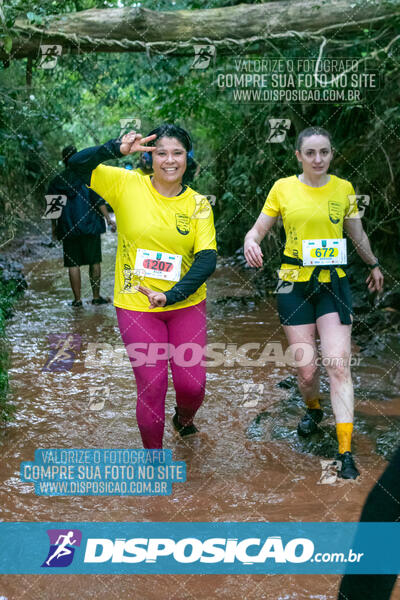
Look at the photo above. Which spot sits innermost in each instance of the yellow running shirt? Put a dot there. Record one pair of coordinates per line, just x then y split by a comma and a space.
310, 213
152, 222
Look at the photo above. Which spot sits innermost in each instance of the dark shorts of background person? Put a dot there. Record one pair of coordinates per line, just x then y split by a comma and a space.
82, 250
299, 307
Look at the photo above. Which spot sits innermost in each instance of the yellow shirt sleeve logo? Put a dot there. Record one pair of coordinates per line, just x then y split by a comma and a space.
182, 223
335, 211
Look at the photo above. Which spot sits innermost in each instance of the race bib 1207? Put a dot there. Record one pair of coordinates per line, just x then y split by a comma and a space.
159, 265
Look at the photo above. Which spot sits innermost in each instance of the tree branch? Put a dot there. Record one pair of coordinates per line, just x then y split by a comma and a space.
138, 29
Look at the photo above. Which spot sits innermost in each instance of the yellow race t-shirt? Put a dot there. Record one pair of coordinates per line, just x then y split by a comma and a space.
149, 221
310, 213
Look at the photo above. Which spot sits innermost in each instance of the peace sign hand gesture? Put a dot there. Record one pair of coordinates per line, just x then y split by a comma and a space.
133, 142
156, 299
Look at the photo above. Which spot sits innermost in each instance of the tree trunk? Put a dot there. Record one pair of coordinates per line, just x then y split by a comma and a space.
140, 29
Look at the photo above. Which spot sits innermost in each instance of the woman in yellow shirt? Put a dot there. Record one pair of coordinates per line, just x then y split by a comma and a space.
166, 243
315, 295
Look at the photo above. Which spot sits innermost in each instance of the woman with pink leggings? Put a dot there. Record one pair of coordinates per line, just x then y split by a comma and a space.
172, 329
166, 251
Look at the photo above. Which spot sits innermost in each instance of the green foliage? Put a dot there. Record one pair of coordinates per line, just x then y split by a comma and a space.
82, 100
9, 292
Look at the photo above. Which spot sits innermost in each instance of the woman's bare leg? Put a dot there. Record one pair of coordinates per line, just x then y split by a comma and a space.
307, 375
336, 353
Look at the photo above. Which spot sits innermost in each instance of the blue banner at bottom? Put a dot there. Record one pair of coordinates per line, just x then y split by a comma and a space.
199, 548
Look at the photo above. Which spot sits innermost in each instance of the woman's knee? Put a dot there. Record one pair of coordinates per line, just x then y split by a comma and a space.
338, 368
307, 375
191, 389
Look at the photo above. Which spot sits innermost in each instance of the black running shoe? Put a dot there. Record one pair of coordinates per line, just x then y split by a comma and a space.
349, 469
183, 430
101, 300
309, 423
76, 303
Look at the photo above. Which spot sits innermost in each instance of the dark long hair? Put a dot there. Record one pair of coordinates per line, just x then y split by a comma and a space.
172, 131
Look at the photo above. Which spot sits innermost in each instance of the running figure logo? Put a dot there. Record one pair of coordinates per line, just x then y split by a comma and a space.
279, 129
286, 279
50, 55
203, 206
132, 278
358, 204
61, 551
252, 394
63, 350
203, 56
129, 124
54, 206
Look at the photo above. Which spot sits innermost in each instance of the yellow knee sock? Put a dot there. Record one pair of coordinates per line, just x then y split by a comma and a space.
343, 432
313, 403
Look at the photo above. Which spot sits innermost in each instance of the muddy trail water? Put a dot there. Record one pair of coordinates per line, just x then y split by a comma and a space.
246, 464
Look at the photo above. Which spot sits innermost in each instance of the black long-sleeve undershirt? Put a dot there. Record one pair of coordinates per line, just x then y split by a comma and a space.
85, 161
203, 266
205, 261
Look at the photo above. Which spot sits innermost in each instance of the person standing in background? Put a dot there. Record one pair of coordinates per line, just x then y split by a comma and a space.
79, 228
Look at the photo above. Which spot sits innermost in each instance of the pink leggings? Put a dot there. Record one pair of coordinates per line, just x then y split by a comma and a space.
153, 338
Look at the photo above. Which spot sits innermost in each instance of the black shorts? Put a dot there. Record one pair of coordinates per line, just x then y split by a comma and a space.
82, 250
299, 307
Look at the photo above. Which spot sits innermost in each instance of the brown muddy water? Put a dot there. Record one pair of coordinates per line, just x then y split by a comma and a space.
246, 464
